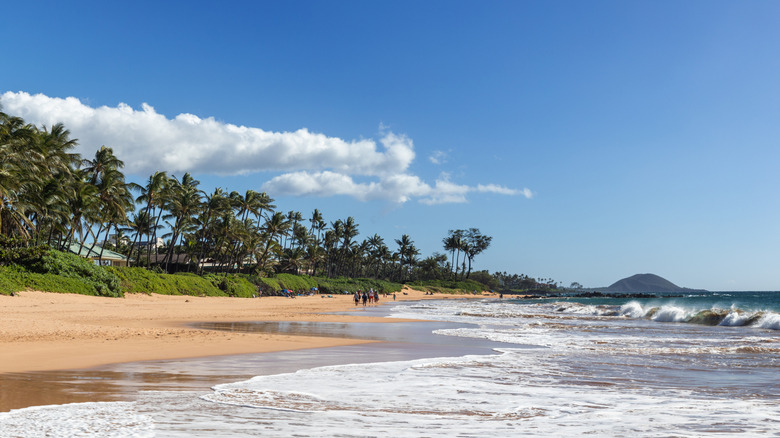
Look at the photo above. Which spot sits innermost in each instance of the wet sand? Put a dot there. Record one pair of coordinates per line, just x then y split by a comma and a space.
116, 347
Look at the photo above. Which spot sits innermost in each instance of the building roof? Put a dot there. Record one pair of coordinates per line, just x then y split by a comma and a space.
95, 253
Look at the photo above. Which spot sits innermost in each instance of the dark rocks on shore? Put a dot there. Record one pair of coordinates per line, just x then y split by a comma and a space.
621, 295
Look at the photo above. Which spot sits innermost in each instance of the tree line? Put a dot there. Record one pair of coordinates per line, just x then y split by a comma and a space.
50, 195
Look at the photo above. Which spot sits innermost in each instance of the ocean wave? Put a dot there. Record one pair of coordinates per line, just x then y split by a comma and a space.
586, 309
732, 317
770, 321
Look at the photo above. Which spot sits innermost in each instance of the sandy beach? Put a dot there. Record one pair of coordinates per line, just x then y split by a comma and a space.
47, 331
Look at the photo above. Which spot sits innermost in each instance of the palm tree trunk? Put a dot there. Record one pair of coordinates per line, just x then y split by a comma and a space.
103, 247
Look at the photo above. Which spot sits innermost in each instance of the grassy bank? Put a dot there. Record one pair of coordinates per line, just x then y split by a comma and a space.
55, 271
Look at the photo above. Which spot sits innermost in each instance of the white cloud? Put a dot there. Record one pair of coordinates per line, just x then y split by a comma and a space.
438, 157
493, 188
148, 141
312, 164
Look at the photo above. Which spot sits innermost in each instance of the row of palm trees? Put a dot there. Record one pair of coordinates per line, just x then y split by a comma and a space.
51, 195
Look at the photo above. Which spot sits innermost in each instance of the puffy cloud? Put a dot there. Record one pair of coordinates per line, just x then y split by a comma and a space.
311, 164
148, 141
395, 188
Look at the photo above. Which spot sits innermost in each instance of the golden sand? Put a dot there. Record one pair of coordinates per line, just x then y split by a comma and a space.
49, 331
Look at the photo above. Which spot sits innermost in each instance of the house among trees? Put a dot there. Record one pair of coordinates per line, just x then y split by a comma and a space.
108, 257
144, 244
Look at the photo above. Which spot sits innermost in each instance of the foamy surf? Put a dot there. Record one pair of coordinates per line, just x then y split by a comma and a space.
495, 395
600, 369
112, 419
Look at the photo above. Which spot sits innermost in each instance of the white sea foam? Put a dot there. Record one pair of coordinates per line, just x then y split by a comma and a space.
736, 319
493, 395
770, 320
588, 375
632, 309
112, 419
671, 314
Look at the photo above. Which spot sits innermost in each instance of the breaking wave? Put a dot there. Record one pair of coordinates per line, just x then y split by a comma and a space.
733, 317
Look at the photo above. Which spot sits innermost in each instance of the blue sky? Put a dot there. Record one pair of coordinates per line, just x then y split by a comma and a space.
593, 140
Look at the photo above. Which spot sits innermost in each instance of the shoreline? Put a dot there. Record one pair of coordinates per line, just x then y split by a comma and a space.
42, 331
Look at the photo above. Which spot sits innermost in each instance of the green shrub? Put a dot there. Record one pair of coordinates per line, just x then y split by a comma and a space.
16, 252
16, 278
141, 280
449, 286
351, 285
233, 286
98, 280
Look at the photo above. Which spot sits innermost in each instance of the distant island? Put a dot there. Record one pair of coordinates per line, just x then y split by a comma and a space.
645, 283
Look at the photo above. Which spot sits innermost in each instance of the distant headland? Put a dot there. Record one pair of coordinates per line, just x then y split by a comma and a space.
641, 283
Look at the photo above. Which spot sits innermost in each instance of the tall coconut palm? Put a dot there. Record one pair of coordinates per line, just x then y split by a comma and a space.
102, 164
293, 217
140, 225
316, 222
214, 206
183, 205
152, 196
18, 174
407, 252
274, 227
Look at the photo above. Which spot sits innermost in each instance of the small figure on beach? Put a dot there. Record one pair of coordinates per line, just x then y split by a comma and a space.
365, 298
357, 298
393, 296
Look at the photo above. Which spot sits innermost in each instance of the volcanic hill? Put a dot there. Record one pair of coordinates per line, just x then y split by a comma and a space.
645, 283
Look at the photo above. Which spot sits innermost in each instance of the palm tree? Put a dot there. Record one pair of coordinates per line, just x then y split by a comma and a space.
293, 217
183, 204
316, 222
82, 204
115, 201
152, 195
348, 231
18, 174
405, 246
104, 163
454, 242
314, 255
274, 227
140, 225
215, 206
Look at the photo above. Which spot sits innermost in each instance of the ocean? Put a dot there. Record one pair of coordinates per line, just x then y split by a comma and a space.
704, 364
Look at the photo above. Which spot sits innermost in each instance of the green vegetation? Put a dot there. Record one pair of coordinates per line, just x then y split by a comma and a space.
141, 280
304, 283
16, 279
448, 286
236, 243
57, 271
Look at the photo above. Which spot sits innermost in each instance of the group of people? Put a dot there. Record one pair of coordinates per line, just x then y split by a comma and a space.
370, 297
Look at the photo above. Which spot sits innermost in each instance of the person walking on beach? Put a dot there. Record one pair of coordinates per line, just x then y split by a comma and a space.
365, 298
357, 298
